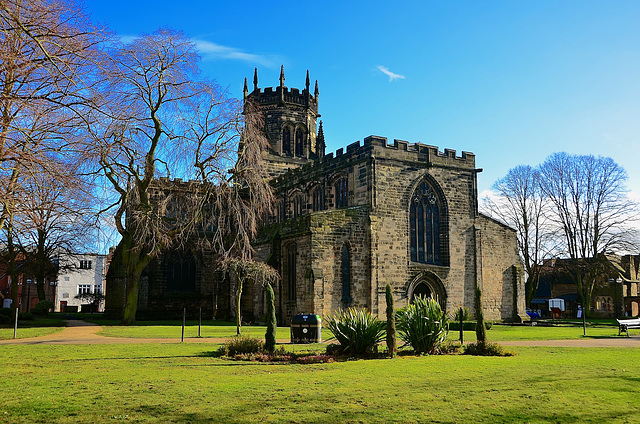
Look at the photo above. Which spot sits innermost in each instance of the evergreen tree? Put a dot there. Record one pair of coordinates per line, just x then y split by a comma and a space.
481, 332
392, 346
270, 336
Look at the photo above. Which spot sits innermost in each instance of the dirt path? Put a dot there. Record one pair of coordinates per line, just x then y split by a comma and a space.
81, 332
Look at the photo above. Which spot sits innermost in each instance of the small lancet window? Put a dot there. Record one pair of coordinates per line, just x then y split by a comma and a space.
291, 273
318, 199
299, 143
298, 205
345, 274
341, 193
424, 217
286, 141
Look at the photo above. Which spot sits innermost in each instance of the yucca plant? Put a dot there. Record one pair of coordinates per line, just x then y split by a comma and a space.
357, 330
423, 325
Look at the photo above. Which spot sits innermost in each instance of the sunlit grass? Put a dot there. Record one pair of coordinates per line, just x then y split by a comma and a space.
181, 383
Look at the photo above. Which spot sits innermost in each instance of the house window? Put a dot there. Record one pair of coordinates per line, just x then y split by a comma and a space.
290, 273
424, 222
286, 141
345, 276
341, 193
85, 264
97, 288
299, 142
604, 303
318, 199
84, 288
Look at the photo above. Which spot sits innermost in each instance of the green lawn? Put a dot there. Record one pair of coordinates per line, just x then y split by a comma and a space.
179, 383
23, 333
40, 326
173, 329
217, 329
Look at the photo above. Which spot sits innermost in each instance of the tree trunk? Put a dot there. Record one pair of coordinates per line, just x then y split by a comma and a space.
135, 262
238, 299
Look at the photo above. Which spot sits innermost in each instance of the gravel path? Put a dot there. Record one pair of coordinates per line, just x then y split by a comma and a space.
82, 332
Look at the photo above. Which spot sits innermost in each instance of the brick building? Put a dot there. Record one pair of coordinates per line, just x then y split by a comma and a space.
348, 223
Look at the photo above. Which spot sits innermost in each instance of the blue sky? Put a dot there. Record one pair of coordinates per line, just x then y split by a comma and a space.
510, 81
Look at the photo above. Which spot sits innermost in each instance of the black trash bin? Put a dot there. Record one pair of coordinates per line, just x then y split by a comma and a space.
306, 328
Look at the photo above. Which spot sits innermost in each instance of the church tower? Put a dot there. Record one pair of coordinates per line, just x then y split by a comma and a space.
290, 118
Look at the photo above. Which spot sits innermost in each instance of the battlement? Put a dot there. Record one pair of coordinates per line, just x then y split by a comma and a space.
274, 95
416, 151
375, 146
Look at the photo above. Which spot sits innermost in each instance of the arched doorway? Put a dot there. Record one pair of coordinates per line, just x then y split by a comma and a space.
421, 290
427, 284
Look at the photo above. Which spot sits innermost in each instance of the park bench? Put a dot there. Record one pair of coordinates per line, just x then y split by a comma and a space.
626, 324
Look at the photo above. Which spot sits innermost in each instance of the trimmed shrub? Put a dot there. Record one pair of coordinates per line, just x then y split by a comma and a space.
270, 335
486, 349
423, 325
357, 330
42, 307
241, 345
449, 348
25, 316
392, 346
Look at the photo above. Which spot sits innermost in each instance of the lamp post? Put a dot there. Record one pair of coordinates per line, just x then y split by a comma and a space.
618, 300
28, 294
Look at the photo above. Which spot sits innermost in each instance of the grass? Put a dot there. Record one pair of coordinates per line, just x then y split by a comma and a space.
173, 329
499, 333
40, 326
222, 329
180, 383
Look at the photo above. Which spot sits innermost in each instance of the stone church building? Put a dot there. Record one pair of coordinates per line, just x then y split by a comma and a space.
348, 223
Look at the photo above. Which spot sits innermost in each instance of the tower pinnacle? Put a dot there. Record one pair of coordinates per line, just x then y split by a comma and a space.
281, 75
255, 79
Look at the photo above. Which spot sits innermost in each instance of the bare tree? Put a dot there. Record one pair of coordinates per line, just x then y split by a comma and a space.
47, 52
520, 204
246, 271
157, 120
54, 216
592, 211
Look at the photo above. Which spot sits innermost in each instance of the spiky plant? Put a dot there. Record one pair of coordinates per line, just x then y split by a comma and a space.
357, 330
423, 325
392, 346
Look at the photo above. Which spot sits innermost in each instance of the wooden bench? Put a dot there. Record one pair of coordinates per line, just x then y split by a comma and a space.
626, 324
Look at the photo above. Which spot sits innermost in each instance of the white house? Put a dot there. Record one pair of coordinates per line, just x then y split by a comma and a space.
81, 273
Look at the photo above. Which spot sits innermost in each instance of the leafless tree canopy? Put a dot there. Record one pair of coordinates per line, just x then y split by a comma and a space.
572, 206
158, 119
520, 204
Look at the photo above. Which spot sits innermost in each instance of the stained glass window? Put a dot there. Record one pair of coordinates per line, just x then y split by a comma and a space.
424, 222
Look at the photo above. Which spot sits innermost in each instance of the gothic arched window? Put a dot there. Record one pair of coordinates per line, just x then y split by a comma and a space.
180, 272
299, 142
299, 204
286, 141
341, 192
318, 199
424, 223
290, 272
345, 276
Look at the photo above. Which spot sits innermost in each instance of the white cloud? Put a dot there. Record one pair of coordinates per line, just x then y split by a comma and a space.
392, 76
211, 50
